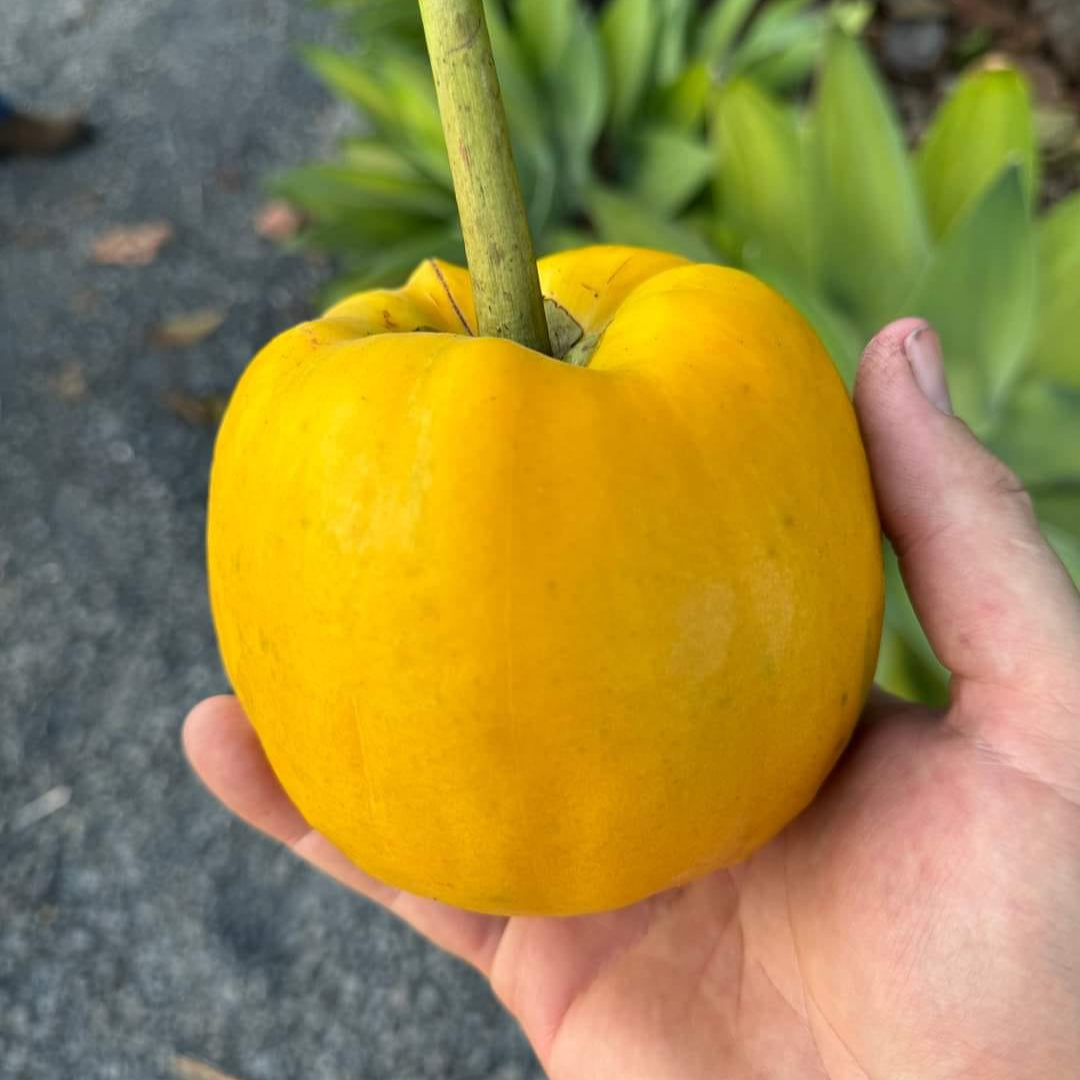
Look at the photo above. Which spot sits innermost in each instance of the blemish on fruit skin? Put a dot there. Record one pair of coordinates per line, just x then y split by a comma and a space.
618, 269
844, 698
788, 521
388, 320
552, 588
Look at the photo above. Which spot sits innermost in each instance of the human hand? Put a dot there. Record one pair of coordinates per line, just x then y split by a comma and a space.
920, 919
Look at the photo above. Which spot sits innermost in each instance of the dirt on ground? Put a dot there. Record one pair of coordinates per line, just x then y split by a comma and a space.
924, 45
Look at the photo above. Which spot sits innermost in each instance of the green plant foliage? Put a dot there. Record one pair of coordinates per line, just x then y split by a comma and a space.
720, 27
615, 101
1039, 435
871, 232
1057, 336
628, 29
670, 167
986, 125
758, 152
668, 123
908, 666
961, 247
979, 290
622, 219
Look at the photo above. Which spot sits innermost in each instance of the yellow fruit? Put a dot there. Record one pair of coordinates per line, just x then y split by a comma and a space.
526, 636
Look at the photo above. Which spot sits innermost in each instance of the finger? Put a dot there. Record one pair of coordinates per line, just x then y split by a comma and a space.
995, 601
226, 754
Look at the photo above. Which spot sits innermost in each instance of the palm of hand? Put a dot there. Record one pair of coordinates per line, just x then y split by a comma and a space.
882, 935
920, 919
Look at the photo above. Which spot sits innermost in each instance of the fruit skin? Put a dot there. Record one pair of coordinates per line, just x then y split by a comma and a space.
534, 638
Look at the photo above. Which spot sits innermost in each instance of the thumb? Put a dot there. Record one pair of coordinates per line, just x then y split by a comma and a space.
993, 598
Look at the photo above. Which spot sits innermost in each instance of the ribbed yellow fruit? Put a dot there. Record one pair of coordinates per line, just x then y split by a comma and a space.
531, 635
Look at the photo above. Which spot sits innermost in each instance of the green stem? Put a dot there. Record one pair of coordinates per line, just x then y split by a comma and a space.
498, 245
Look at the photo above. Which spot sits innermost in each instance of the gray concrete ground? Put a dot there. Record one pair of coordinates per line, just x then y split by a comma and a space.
139, 925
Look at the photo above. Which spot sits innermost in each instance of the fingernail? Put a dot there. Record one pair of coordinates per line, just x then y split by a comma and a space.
923, 350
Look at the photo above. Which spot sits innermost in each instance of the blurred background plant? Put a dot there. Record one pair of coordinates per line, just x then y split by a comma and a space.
763, 134
609, 112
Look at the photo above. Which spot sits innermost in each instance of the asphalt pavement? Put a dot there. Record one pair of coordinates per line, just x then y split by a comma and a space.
142, 931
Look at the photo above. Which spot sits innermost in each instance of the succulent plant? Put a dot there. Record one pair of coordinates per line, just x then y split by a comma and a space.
608, 111
658, 124
827, 204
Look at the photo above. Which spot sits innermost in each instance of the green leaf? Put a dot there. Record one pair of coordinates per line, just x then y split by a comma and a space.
526, 116
622, 219
363, 231
931, 678
719, 27
785, 43
1059, 505
369, 19
392, 265
782, 45
578, 91
1067, 546
395, 91
524, 108
851, 16
900, 671
985, 125
682, 102
1056, 352
563, 239
788, 67
759, 174
416, 111
870, 226
371, 154
979, 292
672, 166
545, 28
628, 32
329, 190
1038, 435
353, 80
671, 49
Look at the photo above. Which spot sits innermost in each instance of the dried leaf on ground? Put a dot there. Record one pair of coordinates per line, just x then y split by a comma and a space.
187, 329
131, 245
197, 411
189, 1068
278, 220
70, 383
42, 807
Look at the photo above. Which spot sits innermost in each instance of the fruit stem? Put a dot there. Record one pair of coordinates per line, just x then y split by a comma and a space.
498, 245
